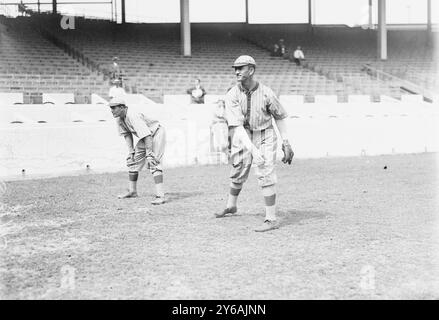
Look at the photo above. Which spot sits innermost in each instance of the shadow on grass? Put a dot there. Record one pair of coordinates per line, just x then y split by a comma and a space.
175, 196
297, 216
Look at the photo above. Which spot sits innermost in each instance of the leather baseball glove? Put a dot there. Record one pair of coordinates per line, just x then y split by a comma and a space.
288, 152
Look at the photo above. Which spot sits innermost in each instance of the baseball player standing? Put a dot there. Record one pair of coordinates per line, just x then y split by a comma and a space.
148, 150
250, 107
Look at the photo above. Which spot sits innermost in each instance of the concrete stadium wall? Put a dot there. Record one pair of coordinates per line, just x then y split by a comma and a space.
52, 140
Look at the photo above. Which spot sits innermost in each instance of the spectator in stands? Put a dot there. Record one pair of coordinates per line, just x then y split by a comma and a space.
279, 49
282, 48
116, 90
197, 92
22, 8
115, 72
298, 56
276, 51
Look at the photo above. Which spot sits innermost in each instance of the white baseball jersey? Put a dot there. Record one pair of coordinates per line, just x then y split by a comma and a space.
252, 109
298, 54
137, 122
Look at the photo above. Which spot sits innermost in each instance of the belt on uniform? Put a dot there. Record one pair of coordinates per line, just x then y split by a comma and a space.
247, 127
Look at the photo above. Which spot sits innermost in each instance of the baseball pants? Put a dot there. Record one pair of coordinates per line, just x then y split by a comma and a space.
266, 141
158, 147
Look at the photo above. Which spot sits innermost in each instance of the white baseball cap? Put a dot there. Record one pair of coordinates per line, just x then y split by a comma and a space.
244, 61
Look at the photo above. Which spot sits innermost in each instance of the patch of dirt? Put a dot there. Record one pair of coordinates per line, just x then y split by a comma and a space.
349, 230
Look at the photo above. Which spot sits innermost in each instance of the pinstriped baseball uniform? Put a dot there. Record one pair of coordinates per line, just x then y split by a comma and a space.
254, 110
140, 125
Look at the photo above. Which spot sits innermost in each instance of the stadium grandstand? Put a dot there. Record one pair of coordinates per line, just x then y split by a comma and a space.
39, 56
345, 55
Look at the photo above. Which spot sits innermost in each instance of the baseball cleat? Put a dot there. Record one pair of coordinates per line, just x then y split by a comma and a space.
267, 226
158, 200
226, 211
128, 195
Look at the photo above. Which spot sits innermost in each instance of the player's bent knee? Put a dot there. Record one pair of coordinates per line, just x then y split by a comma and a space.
156, 171
267, 181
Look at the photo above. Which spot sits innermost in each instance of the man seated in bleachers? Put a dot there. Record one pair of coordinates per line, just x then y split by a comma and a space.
22, 8
276, 51
197, 92
115, 71
298, 56
283, 48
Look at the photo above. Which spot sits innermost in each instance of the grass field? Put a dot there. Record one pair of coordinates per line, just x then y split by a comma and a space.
350, 229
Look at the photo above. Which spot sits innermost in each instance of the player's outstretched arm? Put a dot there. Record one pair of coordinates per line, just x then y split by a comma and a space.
150, 156
130, 144
243, 138
129, 141
283, 129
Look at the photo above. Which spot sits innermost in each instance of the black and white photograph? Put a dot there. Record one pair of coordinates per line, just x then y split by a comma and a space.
241, 151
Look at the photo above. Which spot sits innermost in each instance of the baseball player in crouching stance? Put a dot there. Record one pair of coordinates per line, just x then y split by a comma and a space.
250, 107
148, 150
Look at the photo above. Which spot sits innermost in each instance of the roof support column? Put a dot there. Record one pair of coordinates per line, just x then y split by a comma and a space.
246, 11
428, 16
185, 28
54, 6
123, 11
382, 30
